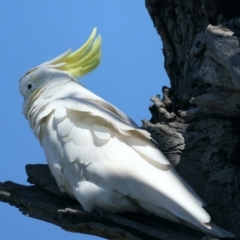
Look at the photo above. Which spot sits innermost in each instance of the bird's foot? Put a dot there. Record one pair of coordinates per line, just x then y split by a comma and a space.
98, 211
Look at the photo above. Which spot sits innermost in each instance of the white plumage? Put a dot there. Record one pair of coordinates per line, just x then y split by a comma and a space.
99, 155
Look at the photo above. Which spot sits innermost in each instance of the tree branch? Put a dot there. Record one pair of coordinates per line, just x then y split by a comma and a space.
44, 201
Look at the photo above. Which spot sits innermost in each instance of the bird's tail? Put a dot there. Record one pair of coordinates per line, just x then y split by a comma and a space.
169, 197
209, 229
215, 231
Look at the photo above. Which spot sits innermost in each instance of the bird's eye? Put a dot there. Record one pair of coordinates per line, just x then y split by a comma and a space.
29, 86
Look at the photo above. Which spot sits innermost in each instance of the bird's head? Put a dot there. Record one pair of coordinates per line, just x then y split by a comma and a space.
75, 64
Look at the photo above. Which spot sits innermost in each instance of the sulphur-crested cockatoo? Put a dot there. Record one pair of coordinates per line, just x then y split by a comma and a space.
96, 153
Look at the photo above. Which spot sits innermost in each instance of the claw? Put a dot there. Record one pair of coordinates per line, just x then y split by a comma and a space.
98, 211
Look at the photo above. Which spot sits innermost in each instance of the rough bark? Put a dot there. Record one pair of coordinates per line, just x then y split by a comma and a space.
196, 121
195, 124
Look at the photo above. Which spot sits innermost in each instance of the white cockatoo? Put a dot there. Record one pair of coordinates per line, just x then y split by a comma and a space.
99, 155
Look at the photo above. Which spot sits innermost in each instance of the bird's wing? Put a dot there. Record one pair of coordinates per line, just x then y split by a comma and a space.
78, 93
103, 161
114, 110
93, 144
137, 138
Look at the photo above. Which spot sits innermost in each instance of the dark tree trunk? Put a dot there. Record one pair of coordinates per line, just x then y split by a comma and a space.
195, 124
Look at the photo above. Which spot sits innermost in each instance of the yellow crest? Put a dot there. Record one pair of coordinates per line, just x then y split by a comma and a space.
82, 61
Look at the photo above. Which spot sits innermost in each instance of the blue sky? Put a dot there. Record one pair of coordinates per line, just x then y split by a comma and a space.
33, 32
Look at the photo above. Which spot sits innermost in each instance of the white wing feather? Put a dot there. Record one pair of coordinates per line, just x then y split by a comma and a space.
94, 161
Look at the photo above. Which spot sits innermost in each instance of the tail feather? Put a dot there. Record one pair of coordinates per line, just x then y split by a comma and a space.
209, 229
215, 231
160, 198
